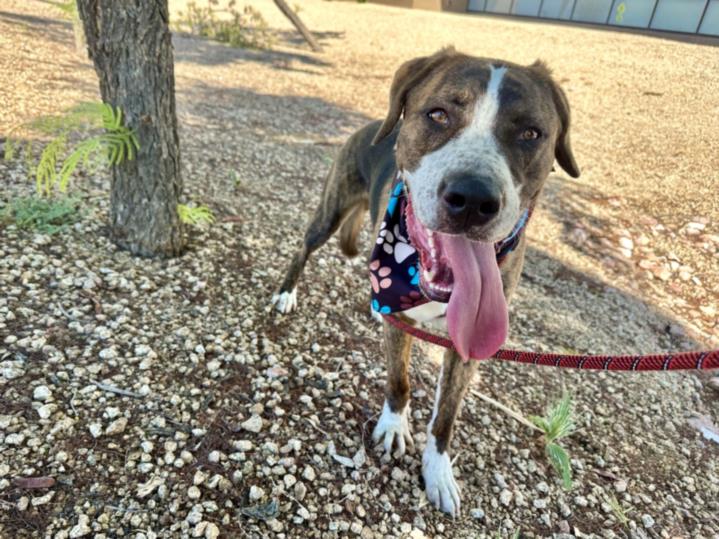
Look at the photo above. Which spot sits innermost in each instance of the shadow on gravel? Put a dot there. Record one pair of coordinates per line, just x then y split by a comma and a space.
202, 51
566, 310
574, 204
53, 29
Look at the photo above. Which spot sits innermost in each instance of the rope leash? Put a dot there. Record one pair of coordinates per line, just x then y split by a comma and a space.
653, 362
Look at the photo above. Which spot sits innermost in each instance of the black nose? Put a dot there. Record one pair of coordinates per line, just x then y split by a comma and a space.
470, 200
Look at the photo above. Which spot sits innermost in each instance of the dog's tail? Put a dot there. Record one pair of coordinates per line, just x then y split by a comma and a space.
351, 228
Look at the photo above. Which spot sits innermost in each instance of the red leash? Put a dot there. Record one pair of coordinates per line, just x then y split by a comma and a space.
654, 362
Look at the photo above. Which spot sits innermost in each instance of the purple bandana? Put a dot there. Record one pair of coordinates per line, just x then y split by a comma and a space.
394, 264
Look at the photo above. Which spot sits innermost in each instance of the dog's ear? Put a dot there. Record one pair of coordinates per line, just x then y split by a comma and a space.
563, 149
407, 77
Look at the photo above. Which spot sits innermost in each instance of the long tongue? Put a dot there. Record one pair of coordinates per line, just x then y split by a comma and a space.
477, 317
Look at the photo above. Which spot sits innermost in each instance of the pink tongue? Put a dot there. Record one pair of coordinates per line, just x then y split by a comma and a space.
477, 317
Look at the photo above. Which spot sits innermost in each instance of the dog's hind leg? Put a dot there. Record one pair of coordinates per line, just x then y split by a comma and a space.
344, 198
393, 425
440, 484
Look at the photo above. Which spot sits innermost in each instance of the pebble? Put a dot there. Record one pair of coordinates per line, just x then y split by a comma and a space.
194, 493
647, 521
505, 497
309, 473
256, 493
41, 393
82, 528
253, 424
116, 427
477, 513
212, 531
620, 486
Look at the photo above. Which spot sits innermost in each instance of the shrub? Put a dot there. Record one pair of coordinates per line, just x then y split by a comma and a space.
244, 28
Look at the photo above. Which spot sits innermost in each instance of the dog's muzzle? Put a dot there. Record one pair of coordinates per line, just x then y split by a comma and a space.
468, 201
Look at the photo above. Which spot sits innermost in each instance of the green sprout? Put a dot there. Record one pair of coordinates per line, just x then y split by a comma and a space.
197, 215
558, 424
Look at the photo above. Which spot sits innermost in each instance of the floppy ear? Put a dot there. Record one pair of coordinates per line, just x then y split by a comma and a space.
563, 149
407, 77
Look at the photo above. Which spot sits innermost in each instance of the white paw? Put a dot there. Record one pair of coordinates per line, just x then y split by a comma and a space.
375, 315
286, 302
439, 483
394, 427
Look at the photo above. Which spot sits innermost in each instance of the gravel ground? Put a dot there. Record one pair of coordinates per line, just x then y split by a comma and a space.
166, 399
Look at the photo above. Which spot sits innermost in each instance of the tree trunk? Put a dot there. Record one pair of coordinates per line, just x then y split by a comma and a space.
130, 44
297, 22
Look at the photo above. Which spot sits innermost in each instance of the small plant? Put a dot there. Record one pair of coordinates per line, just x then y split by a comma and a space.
620, 513
46, 215
197, 215
558, 424
55, 165
244, 28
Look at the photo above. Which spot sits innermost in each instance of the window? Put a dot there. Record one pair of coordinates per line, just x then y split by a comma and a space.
557, 9
528, 8
592, 11
710, 24
636, 13
678, 15
498, 6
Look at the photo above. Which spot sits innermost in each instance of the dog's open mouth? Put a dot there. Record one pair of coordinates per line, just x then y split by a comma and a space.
436, 279
464, 274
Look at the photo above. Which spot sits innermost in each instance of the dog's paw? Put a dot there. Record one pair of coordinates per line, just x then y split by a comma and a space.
285, 302
439, 482
375, 315
394, 428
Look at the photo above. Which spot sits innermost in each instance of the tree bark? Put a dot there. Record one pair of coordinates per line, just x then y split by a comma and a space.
130, 45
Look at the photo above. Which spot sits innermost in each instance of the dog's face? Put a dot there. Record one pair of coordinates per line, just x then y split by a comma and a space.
478, 140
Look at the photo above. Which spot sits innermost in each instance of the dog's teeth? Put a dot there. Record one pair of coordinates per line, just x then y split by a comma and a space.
429, 276
433, 252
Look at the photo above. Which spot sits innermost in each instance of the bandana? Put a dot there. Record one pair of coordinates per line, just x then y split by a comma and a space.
394, 264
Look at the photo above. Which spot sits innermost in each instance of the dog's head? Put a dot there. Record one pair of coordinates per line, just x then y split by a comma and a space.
478, 140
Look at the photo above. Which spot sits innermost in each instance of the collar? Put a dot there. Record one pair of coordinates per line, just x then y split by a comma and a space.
394, 263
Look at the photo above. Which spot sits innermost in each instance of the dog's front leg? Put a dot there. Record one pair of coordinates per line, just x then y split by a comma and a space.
440, 484
393, 424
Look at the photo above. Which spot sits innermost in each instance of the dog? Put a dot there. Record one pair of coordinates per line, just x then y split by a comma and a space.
474, 141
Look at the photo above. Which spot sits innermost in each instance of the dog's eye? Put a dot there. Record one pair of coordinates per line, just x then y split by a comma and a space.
530, 133
439, 116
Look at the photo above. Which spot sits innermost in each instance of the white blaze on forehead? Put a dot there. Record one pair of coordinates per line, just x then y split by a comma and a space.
474, 149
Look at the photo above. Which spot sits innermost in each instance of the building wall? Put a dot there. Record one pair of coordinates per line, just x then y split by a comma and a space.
689, 16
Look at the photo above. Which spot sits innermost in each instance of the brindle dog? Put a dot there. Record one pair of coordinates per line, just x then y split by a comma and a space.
474, 140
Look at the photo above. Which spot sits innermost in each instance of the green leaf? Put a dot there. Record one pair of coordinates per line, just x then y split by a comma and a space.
195, 216
560, 460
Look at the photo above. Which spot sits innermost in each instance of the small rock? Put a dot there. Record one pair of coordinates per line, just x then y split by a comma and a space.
309, 473
198, 478
212, 531
289, 480
256, 493
46, 410
253, 424
82, 528
95, 429
194, 493
540, 503
214, 457
505, 497
41, 393
116, 427
620, 486
647, 521
477, 513
300, 491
